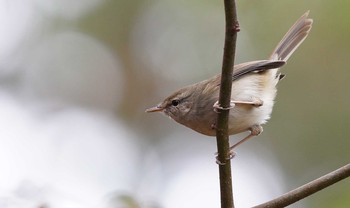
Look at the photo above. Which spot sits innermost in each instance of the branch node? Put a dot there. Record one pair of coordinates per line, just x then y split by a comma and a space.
236, 26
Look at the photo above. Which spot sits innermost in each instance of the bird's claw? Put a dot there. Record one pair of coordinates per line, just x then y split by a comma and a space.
217, 106
230, 156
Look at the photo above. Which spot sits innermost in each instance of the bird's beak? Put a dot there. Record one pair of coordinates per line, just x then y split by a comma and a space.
157, 108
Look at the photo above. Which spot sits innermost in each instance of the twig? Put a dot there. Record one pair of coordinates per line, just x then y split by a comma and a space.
308, 189
224, 101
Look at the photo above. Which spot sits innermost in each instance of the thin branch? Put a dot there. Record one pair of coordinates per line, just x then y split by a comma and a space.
224, 101
308, 189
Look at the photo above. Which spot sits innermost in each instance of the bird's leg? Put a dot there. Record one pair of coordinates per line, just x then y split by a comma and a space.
254, 102
254, 131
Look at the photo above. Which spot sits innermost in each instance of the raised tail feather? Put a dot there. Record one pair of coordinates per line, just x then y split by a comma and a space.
285, 48
293, 38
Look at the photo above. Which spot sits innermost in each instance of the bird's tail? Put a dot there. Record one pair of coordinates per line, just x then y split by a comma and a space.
293, 38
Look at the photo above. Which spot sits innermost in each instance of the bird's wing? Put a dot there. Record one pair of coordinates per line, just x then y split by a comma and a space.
243, 69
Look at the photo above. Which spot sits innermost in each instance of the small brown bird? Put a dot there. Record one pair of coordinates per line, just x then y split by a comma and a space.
252, 97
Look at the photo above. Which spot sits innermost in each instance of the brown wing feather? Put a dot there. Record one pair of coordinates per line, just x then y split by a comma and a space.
255, 67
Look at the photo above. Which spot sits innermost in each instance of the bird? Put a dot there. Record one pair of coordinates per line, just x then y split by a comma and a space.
252, 94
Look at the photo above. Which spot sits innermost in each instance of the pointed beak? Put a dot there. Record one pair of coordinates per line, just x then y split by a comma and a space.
157, 108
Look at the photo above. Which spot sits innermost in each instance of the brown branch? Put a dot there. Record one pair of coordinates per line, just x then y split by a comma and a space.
224, 101
308, 189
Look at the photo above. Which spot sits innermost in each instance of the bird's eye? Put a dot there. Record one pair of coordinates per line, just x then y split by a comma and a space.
175, 102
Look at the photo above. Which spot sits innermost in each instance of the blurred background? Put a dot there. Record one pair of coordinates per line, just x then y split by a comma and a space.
76, 77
